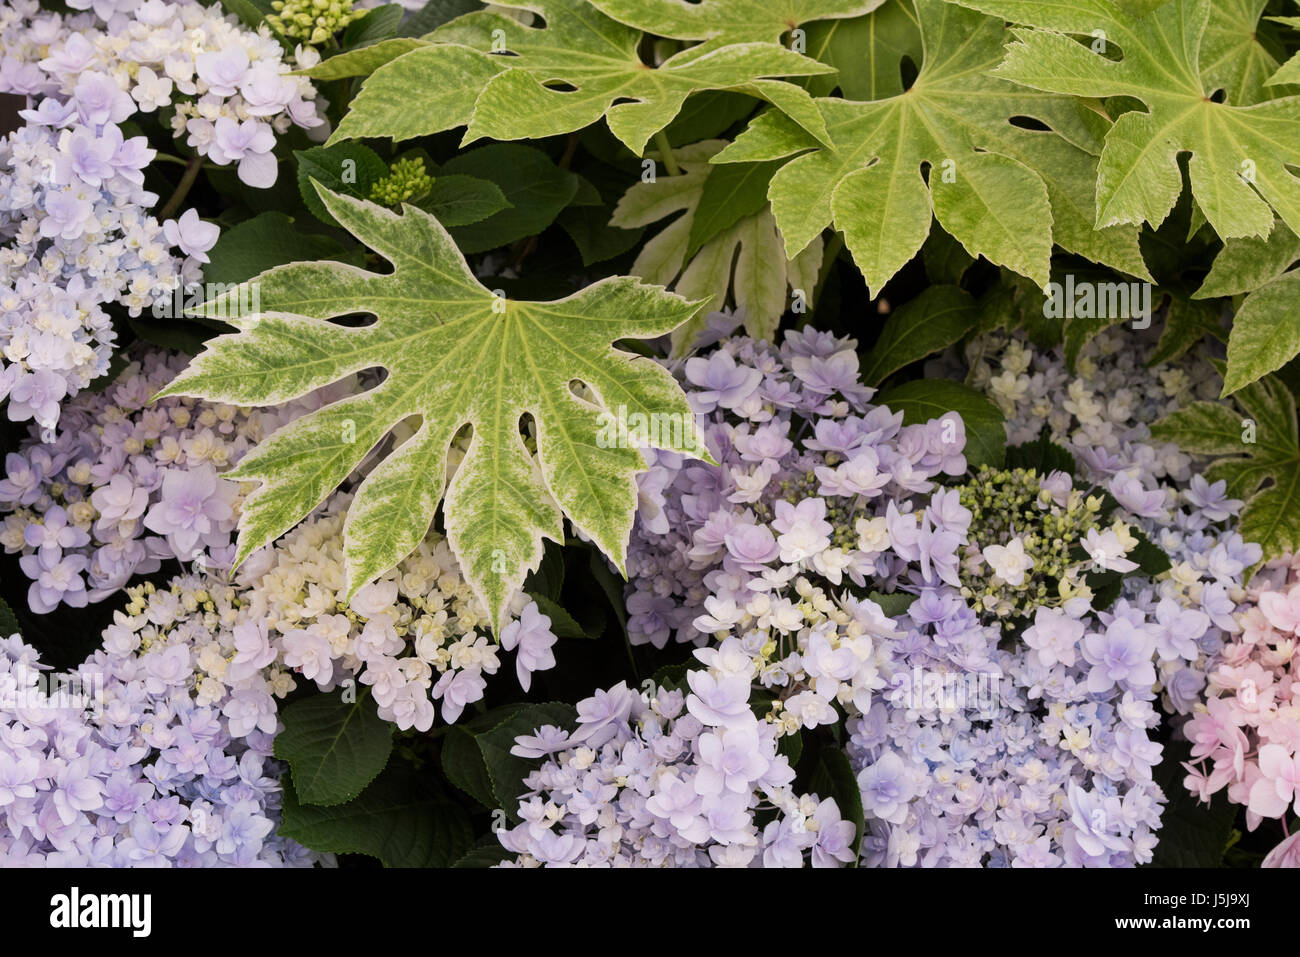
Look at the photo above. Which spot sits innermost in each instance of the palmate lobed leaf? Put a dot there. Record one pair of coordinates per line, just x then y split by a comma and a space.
456, 355
1261, 457
728, 21
1004, 191
1288, 74
867, 52
1239, 56
1239, 153
507, 81
742, 256
1265, 332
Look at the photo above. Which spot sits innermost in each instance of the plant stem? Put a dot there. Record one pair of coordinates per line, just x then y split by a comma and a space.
829, 255
182, 188
666, 154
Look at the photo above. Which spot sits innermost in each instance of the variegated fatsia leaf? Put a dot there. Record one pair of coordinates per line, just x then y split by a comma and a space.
457, 356
505, 80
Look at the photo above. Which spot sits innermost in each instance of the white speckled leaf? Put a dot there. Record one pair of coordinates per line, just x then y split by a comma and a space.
508, 81
455, 355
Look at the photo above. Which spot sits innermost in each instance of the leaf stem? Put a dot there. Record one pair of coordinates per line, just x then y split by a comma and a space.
666, 154
829, 255
182, 188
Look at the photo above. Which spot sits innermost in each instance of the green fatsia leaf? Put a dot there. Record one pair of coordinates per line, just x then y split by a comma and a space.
744, 261
728, 21
994, 186
1237, 56
1289, 72
1262, 463
867, 51
1265, 332
508, 81
456, 355
1246, 264
364, 61
1239, 153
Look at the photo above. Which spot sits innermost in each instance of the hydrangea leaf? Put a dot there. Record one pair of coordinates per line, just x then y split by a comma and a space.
463, 766
832, 777
1261, 445
507, 771
400, 819
745, 261
578, 67
268, 239
1265, 332
997, 187
434, 13
931, 322
1238, 167
345, 168
459, 200
8, 621
922, 400
534, 188
378, 24
334, 748
456, 355
728, 21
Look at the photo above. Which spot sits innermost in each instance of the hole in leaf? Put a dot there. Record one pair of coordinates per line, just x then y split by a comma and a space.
908, 71
1029, 123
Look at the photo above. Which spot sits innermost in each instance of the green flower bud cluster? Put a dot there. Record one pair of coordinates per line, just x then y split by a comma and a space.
311, 21
406, 178
1007, 504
